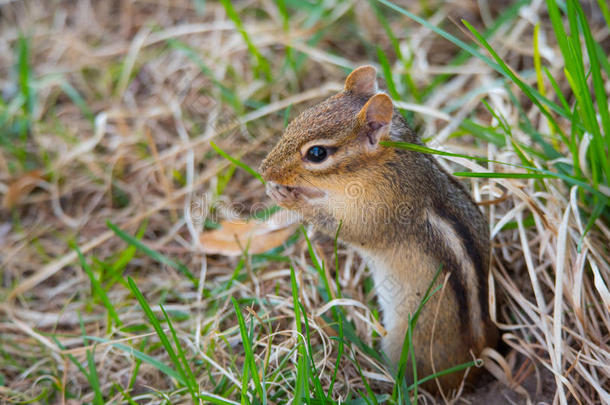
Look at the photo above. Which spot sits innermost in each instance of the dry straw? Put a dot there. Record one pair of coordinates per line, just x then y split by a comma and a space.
160, 80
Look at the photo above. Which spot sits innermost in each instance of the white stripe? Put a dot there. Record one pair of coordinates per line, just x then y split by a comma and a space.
467, 272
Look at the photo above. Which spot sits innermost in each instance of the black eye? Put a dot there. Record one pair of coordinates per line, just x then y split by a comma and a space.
316, 154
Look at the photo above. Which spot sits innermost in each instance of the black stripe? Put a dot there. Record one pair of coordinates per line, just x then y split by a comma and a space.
470, 245
439, 248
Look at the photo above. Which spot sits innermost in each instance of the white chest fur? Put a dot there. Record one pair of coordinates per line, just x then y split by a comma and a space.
397, 297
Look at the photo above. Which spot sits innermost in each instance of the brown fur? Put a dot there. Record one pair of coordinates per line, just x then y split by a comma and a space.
401, 211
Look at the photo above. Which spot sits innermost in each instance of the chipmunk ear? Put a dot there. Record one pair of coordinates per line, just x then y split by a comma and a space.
376, 117
362, 81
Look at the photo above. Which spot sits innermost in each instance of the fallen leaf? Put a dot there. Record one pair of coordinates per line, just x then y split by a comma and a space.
233, 237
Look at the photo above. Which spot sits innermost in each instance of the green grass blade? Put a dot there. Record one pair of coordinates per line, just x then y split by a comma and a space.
97, 395
314, 374
600, 92
439, 31
388, 30
287, 115
496, 175
340, 350
598, 209
237, 162
262, 65
97, 288
503, 68
447, 371
485, 133
603, 6
557, 23
406, 77
387, 74
335, 249
386, 69
245, 378
78, 100
603, 58
575, 181
507, 15
229, 95
539, 76
125, 394
430, 291
400, 389
312, 253
260, 389
558, 92
152, 253
24, 72
302, 378
136, 367
215, 399
189, 377
367, 386
498, 65
117, 267
301, 388
158, 329
168, 371
94, 380
413, 361
295, 299
423, 149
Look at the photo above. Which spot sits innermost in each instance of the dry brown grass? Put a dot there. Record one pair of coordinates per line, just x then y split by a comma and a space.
146, 158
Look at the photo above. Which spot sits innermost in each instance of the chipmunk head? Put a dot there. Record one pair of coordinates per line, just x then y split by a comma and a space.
327, 156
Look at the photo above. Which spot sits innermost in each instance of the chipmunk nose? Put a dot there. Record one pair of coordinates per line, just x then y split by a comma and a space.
277, 192
270, 173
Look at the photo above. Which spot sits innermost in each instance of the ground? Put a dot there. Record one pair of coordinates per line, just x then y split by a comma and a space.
130, 134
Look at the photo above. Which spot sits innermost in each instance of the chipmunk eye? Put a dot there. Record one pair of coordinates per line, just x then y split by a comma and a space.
316, 154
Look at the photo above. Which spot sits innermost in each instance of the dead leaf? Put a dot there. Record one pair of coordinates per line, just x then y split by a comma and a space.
21, 187
233, 237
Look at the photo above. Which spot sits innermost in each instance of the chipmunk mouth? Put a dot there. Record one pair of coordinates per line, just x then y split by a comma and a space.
288, 195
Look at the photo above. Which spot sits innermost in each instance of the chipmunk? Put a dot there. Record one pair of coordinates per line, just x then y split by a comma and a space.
401, 211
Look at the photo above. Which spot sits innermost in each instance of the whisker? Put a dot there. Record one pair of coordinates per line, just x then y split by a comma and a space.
307, 181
